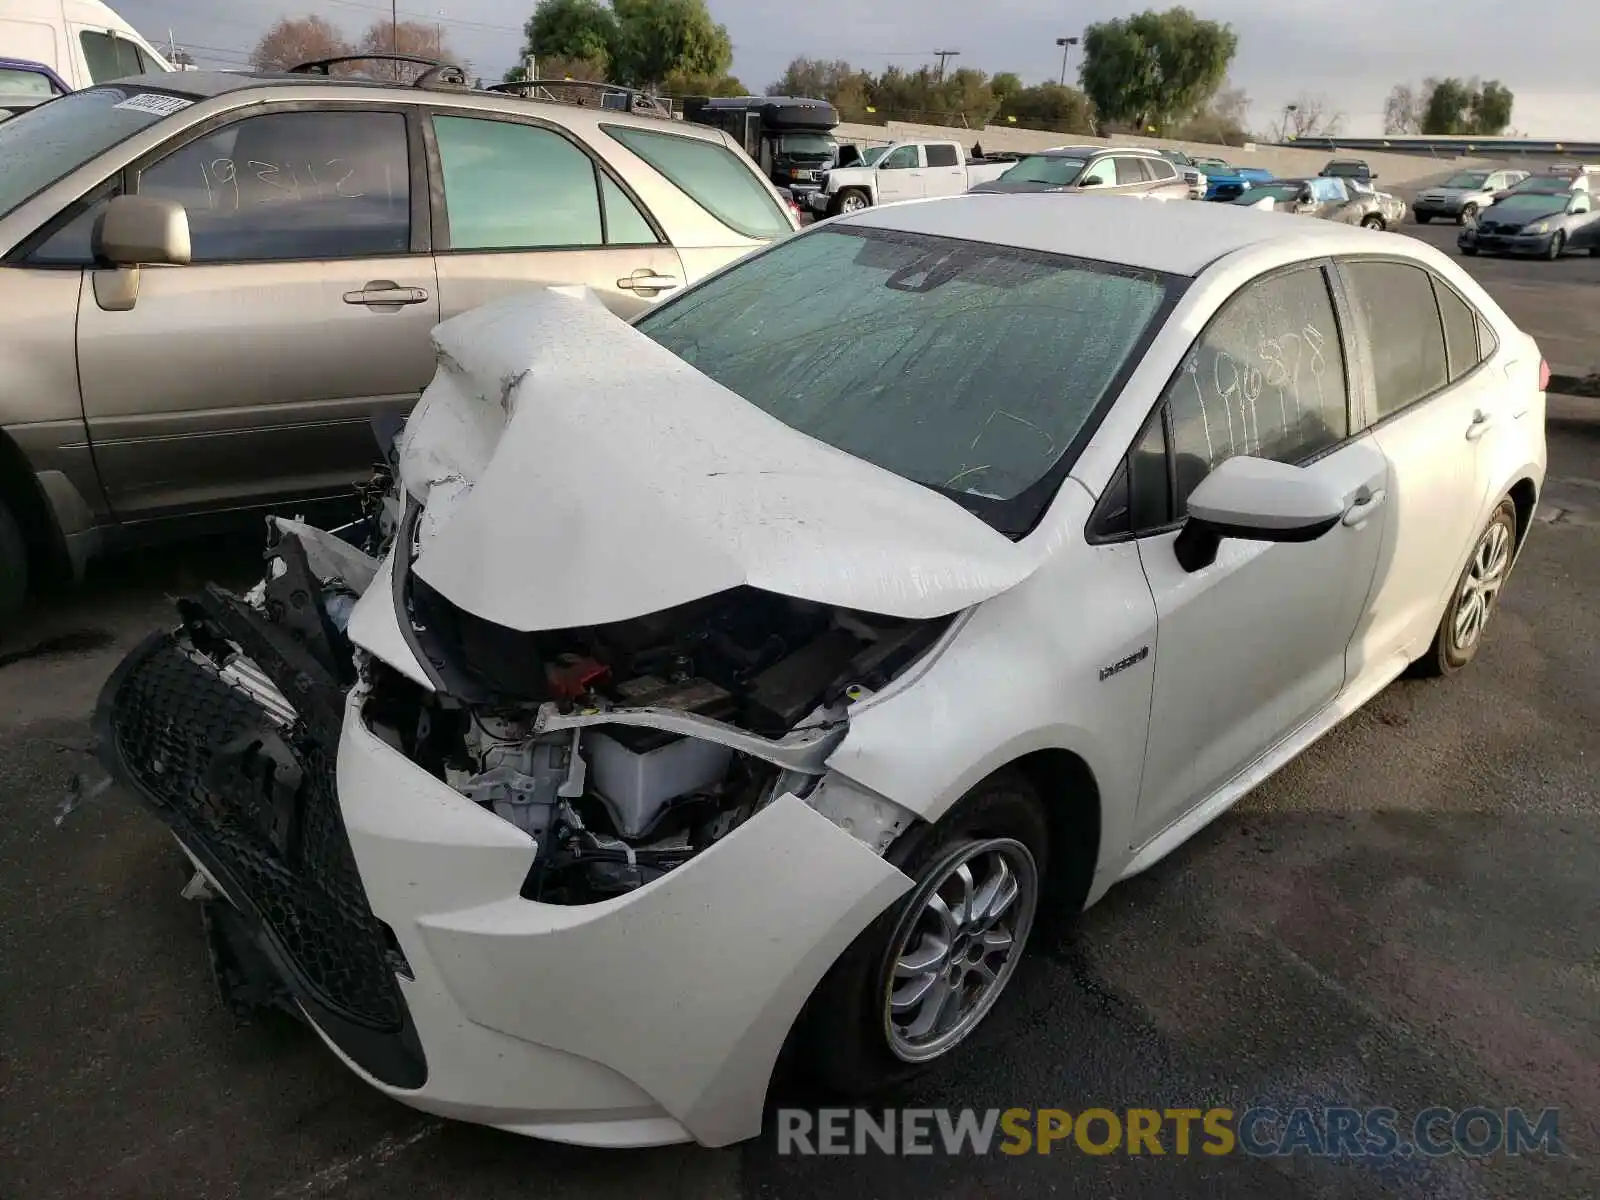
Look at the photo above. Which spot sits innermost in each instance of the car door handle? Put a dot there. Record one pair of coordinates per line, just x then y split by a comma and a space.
1364, 507
386, 291
647, 281
1480, 425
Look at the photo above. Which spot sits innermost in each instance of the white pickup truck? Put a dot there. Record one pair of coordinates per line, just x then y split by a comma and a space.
902, 171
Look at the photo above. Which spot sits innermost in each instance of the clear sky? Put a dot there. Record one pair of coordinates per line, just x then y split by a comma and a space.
1346, 52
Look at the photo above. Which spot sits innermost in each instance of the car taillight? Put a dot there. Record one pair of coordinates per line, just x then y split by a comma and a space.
1544, 376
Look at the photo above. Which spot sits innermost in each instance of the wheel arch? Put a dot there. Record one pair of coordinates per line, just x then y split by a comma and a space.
1070, 795
21, 493
1525, 495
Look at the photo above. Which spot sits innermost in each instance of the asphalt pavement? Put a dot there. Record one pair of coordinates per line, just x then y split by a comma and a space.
1405, 917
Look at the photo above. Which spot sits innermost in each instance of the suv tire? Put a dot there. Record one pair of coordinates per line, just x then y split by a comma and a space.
13, 563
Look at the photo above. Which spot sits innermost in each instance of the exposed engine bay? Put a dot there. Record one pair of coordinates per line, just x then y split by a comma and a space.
622, 750
613, 805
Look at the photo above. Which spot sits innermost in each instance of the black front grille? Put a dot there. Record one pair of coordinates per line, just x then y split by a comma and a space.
260, 806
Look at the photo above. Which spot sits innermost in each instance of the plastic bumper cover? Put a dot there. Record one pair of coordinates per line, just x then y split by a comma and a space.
653, 1017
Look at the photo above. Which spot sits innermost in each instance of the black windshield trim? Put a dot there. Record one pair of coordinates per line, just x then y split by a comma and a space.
1020, 515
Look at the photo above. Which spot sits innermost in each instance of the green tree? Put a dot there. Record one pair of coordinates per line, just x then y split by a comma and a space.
659, 37
1049, 106
1155, 68
1491, 109
573, 30
1004, 85
686, 83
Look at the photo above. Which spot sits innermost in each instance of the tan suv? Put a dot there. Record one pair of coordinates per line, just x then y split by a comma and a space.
212, 283
1114, 170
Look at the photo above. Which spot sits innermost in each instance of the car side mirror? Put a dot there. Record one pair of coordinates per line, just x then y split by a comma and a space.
1373, 176
1092, 182
141, 231
1257, 500
133, 232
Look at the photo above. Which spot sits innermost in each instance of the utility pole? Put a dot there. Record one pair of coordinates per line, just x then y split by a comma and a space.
1066, 44
394, 26
942, 55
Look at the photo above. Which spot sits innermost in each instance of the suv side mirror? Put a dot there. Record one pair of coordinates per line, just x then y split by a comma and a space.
1258, 500
136, 231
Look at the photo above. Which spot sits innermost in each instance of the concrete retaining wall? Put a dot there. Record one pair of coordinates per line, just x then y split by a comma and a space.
1392, 169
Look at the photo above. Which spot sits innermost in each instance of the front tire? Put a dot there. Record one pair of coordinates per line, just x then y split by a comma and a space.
13, 563
851, 200
1476, 596
1422, 218
921, 978
1374, 221
1470, 251
1558, 246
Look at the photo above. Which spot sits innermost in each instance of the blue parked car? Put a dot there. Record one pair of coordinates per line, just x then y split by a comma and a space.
1224, 181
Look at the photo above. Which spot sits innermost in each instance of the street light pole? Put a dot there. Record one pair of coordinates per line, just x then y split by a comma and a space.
1066, 44
1283, 130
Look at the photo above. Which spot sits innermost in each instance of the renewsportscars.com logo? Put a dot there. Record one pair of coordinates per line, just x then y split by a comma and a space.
1258, 1132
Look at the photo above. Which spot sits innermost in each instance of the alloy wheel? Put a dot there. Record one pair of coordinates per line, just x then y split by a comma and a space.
957, 945
1480, 587
852, 203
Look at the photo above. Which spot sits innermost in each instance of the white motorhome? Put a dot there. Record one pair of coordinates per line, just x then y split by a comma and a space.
83, 41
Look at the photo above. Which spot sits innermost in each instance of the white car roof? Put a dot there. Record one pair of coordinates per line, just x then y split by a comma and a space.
1182, 237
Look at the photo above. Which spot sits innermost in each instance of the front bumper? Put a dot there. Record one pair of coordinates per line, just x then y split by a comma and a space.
815, 201
1508, 243
1437, 208
392, 911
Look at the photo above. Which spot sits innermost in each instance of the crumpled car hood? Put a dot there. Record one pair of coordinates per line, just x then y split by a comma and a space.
577, 473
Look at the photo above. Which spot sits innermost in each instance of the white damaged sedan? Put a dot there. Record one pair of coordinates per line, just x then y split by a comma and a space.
754, 675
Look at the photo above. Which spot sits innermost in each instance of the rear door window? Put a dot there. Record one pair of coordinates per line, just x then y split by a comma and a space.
509, 186
1130, 170
1460, 330
1395, 308
940, 155
714, 177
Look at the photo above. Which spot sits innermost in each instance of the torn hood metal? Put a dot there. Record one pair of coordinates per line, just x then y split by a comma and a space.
574, 472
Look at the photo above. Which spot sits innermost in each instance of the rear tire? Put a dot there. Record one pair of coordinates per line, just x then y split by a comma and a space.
848, 1039
1475, 598
13, 563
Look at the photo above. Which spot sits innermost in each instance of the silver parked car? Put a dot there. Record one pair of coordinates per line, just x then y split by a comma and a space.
214, 282
1461, 197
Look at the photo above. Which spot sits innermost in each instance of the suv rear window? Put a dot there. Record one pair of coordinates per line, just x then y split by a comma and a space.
711, 175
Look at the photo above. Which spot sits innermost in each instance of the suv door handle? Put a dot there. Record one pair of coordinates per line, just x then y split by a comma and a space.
1364, 507
381, 292
1480, 425
647, 282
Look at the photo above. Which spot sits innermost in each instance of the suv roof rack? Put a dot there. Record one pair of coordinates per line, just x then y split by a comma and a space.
438, 72
606, 95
